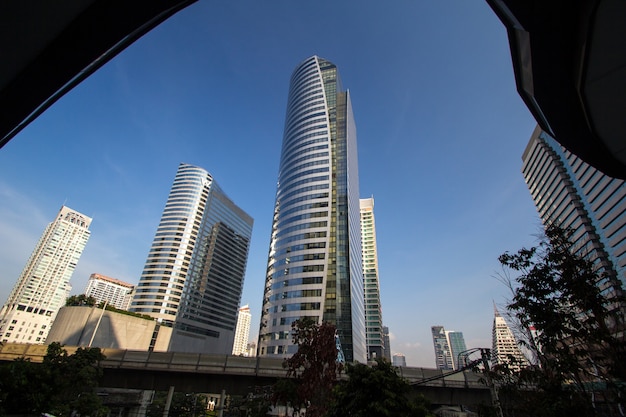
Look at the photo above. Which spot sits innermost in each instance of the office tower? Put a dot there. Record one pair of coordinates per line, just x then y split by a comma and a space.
44, 285
443, 356
314, 262
193, 277
456, 343
110, 290
386, 343
242, 331
398, 359
570, 193
504, 344
371, 283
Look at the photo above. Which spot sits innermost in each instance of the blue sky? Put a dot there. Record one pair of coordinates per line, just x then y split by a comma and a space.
440, 127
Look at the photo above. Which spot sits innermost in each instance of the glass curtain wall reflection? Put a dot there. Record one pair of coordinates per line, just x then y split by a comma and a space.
314, 263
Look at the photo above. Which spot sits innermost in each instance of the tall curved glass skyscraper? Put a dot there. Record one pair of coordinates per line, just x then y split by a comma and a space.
193, 277
314, 263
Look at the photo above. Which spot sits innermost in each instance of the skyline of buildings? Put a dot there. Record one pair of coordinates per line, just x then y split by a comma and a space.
371, 282
448, 344
565, 190
44, 284
113, 291
314, 266
193, 276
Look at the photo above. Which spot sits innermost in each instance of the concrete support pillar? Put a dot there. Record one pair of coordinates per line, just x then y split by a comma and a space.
168, 402
220, 410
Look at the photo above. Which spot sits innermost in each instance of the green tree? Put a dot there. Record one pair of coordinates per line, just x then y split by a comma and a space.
22, 390
376, 390
255, 404
80, 300
314, 367
577, 314
74, 378
182, 405
60, 385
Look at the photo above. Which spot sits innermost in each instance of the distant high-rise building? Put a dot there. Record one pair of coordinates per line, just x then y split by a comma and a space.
251, 349
386, 343
571, 194
456, 343
193, 277
371, 283
314, 264
242, 332
504, 344
443, 355
44, 285
110, 290
398, 360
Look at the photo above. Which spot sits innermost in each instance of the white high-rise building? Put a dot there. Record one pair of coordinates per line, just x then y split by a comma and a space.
44, 285
110, 290
504, 344
193, 276
242, 331
371, 283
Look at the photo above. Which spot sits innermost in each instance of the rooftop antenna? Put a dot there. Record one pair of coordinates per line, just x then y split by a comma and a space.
495, 309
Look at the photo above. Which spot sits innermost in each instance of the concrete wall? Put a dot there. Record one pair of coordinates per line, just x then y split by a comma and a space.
75, 326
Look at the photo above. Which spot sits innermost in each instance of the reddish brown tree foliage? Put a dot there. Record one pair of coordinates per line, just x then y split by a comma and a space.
314, 365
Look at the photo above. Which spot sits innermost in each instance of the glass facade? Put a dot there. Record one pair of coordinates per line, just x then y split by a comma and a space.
193, 277
443, 356
456, 342
314, 263
570, 193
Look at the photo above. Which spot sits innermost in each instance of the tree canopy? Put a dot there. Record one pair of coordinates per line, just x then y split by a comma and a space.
571, 315
80, 300
60, 385
375, 390
182, 405
314, 367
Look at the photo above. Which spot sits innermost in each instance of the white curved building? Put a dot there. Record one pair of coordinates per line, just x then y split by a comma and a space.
193, 277
314, 263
